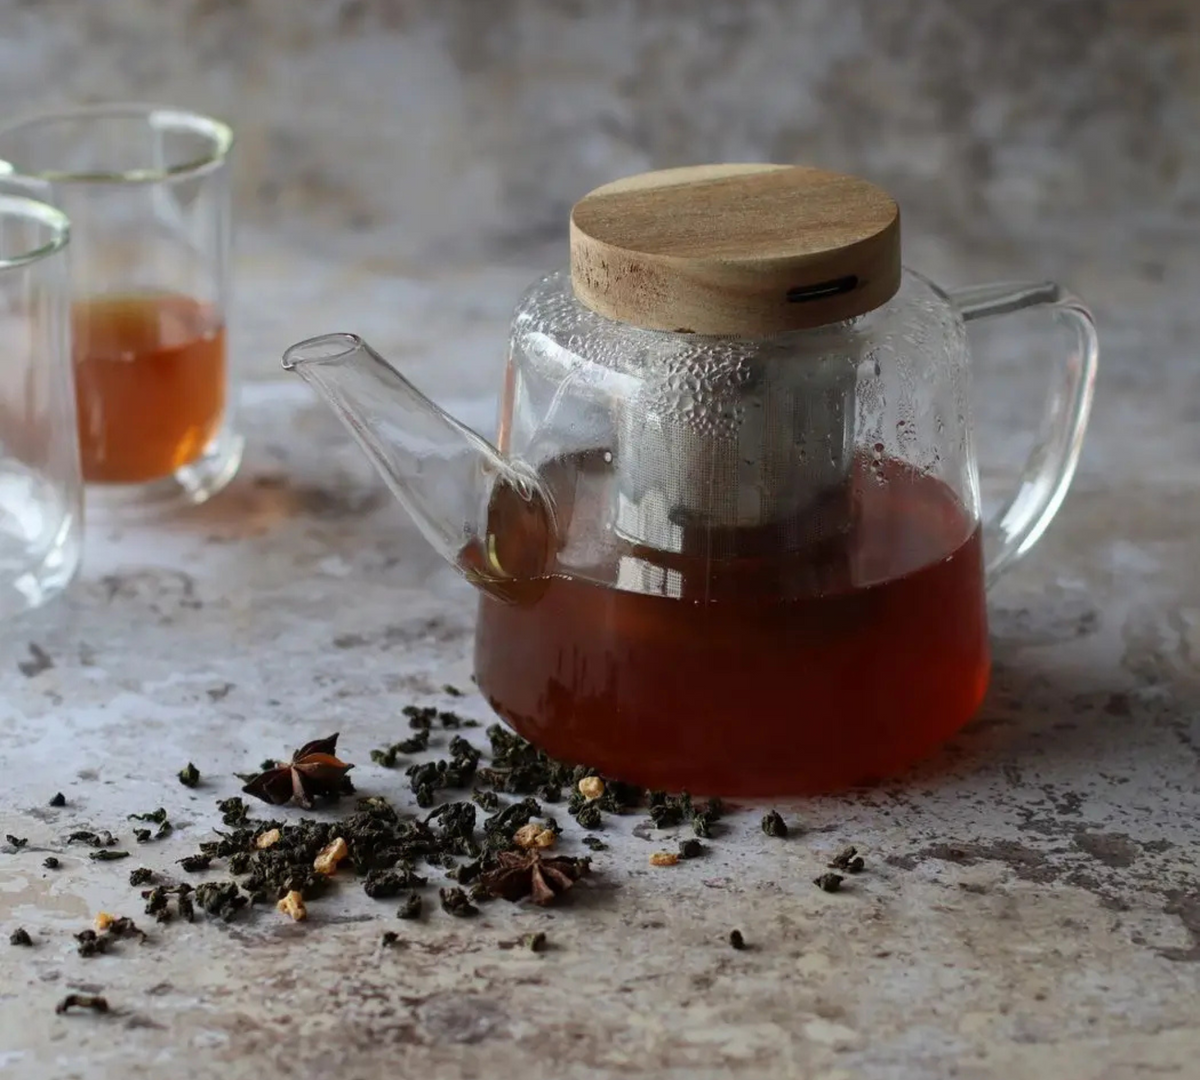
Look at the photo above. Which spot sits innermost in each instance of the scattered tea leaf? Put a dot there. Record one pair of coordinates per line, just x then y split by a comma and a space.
59, 799
456, 902
736, 940
690, 849
829, 882
17, 842
773, 824
189, 775
82, 1001
143, 875
107, 855
848, 859
193, 864
411, 908
50, 862
20, 936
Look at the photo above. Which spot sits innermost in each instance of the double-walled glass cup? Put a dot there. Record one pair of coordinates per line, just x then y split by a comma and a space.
146, 190
41, 493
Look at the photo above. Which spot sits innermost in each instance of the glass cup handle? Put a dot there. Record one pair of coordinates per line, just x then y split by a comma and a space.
1019, 524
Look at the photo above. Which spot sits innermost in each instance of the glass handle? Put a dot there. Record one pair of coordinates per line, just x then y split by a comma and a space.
1043, 483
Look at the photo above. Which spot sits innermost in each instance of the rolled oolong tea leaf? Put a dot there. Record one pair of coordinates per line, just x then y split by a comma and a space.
94, 1002
535, 941
189, 775
20, 936
91, 943
848, 859
690, 849
107, 855
736, 940
59, 799
143, 875
220, 898
195, 863
390, 939
50, 862
773, 824
595, 843
411, 908
385, 884
829, 882
590, 816
142, 836
16, 842
456, 902
103, 838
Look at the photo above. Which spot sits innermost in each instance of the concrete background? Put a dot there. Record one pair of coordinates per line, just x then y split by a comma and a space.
1033, 905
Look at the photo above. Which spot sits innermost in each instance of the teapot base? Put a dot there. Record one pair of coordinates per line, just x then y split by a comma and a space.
753, 696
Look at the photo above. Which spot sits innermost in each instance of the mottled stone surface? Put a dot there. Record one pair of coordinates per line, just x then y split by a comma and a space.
1031, 906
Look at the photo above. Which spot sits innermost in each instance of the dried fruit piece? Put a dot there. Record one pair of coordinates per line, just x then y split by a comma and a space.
664, 858
591, 787
268, 839
533, 835
329, 856
292, 905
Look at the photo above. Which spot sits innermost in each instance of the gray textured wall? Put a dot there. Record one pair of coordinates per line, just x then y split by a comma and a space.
414, 137
470, 125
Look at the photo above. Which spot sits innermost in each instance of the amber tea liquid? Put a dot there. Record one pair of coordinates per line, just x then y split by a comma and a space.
150, 383
880, 654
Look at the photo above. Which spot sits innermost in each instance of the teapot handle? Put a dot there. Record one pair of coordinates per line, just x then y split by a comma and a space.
1043, 483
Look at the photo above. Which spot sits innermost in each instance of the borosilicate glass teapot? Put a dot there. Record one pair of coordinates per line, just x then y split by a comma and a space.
728, 534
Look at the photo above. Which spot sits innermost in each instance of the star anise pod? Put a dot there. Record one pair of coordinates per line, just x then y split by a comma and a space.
313, 771
532, 873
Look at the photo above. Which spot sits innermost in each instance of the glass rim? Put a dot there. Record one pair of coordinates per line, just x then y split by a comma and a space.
163, 117
14, 204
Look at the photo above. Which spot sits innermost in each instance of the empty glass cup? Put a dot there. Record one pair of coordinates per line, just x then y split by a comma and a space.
147, 193
41, 492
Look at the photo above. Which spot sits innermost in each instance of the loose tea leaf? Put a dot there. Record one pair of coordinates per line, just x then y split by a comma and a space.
142, 836
20, 936
195, 863
155, 817
94, 839
535, 941
143, 875
773, 824
17, 842
390, 939
189, 775
384, 884
314, 771
411, 908
456, 902
736, 939
220, 898
595, 843
51, 863
107, 855
58, 799
91, 943
848, 859
82, 1001
829, 882
690, 849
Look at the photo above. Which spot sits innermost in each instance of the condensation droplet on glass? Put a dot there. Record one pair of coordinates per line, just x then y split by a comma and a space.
608, 457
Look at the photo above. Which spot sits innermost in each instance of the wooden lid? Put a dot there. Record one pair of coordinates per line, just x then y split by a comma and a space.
741, 250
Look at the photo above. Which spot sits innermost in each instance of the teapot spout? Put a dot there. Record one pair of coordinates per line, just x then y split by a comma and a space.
487, 516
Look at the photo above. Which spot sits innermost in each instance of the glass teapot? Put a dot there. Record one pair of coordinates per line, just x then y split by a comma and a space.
728, 536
